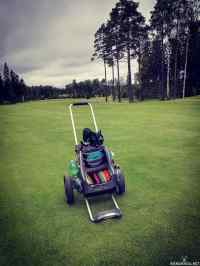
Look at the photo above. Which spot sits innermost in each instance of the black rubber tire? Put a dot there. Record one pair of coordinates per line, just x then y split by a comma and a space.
120, 186
68, 187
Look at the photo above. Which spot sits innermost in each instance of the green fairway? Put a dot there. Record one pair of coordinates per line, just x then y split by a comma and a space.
157, 145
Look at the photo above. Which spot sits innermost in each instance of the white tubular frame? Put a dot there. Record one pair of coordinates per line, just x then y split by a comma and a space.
72, 119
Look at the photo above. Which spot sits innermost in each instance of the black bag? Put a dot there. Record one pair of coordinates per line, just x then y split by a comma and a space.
92, 138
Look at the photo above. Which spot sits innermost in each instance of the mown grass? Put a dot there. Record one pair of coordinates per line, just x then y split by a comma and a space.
157, 144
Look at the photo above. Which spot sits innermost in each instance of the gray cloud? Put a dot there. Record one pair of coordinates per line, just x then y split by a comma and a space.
52, 41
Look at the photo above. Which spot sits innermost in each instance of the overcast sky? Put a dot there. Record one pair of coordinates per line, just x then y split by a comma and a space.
51, 42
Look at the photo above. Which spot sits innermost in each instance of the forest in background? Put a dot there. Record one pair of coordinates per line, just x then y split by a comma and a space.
167, 50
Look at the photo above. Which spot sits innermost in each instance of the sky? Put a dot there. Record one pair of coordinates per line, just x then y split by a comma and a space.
50, 42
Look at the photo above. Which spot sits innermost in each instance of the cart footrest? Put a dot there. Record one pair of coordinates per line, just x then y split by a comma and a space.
108, 214
103, 215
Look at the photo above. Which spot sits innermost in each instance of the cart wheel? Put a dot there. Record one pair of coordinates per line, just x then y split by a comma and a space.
120, 186
69, 194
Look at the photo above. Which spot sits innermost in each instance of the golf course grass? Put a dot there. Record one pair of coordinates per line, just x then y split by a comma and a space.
157, 145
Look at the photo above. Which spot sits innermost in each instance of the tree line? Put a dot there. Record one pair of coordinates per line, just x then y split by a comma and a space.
92, 88
13, 89
166, 49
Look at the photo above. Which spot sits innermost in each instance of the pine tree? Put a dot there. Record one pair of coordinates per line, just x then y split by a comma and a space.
6, 81
101, 50
117, 48
129, 21
1, 90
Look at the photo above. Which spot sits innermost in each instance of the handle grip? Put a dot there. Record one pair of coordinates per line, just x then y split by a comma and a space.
80, 103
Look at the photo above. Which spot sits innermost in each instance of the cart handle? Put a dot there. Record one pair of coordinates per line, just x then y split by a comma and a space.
80, 103
72, 118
